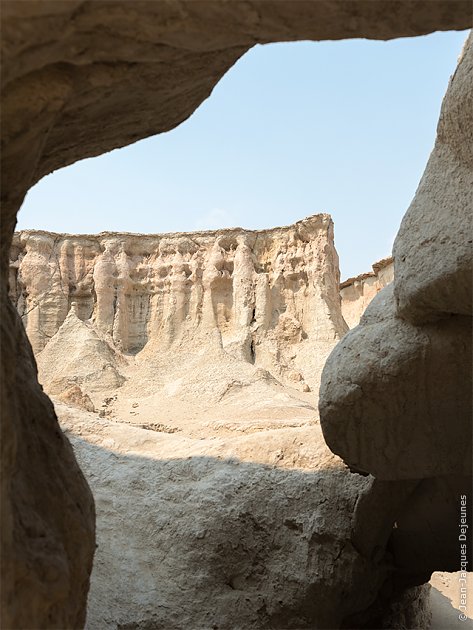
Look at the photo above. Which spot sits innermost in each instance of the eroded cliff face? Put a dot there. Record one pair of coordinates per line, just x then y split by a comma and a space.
357, 293
189, 367
268, 297
144, 68
191, 360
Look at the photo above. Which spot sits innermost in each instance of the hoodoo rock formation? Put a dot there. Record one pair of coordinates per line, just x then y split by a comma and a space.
268, 297
142, 68
193, 361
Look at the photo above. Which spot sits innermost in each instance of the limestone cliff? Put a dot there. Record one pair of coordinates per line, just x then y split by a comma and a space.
268, 297
144, 68
357, 293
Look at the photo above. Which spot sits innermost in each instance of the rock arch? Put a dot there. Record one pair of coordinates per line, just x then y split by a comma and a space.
81, 78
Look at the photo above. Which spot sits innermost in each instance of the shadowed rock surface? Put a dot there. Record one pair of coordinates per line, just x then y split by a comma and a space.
211, 451
186, 518
157, 343
395, 397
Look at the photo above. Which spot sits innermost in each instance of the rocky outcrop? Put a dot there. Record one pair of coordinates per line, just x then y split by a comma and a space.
144, 68
183, 342
395, 395
357, 293
258, 521
47, 552
433, 249
427, 366
268, 297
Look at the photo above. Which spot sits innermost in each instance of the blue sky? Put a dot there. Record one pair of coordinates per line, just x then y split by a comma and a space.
291, 130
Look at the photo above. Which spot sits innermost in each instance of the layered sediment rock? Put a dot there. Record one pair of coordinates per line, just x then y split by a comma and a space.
143, 68
357, 293
188, 339
268, 297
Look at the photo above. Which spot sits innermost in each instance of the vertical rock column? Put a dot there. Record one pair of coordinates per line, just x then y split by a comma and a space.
104, 276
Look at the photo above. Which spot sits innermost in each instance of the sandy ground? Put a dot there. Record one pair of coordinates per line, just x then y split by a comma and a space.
180, 405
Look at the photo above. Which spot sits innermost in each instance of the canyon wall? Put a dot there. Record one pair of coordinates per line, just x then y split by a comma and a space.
357, 292
144, 68
184, 369
267, 297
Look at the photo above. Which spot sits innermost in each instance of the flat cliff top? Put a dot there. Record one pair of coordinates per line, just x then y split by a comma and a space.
377, 266
312, 221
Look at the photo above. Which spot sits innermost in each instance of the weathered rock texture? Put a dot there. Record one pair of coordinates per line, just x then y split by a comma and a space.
47, 548
357, 293
198, 351
433, 248
145, 67
244, 526
269, 297
142, 68
427, 366
396, 392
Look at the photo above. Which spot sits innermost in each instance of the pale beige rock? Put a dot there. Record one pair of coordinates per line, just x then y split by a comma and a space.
389, 389
196, 401
141, 67
267, 297
357, 293
257, 522
42, 294
433, 250
145, 67
449, 592
396, 392
389, 392
71, 394
80, 355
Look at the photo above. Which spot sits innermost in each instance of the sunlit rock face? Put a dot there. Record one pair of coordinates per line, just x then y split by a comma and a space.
269, 298
196, 540
113, 73
433, 250
187, 363
357, 293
